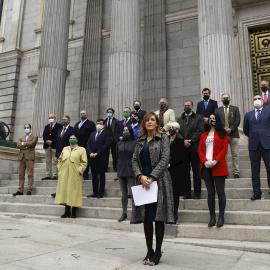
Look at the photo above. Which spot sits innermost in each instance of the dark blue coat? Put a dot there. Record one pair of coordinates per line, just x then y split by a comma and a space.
257, 131
84, 132
120, 128
61, 143
101, 146
211, 107
51, 136
141, 113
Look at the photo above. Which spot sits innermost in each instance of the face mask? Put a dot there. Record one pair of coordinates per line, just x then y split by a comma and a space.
109, 115
187, 110
226, 102
64, 123
162, 105
83, 117
212, 122
206, 97
133, 120
73, 141
257, 103
126, 135
264, 88
126, 115
99, 127
27, 131
172, 132
51, 121
136, 107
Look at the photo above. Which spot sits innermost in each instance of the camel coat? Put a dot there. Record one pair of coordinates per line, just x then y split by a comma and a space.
71, 165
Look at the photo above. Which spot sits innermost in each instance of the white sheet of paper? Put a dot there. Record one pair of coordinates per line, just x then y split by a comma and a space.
142, 196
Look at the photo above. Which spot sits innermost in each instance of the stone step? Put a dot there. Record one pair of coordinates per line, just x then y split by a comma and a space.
245, 165
42, 170
241, 158
246, 173
231, 217
228, 232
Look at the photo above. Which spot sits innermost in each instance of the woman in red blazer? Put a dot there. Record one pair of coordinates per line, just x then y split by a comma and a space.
212, 151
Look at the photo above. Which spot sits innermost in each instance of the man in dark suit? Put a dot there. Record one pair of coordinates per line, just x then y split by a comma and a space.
26, 158
126, 122
83, 129
49, 138
111, 124
191, 129
230, 118
98, 147
257, 128
206, 107
137, 109
265, 94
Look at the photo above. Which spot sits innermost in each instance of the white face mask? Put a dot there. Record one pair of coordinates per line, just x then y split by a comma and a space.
257, 103
51, 121
99, 127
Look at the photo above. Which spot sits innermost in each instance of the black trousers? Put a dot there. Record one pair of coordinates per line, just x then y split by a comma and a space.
113, 151
213, 184
98, 167
194, 160
86, 172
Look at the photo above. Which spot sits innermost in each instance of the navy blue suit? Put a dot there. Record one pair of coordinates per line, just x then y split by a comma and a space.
120, 128
61, 143
258, 133
211, 107
101, 146
83, 135
141, 113
266, 105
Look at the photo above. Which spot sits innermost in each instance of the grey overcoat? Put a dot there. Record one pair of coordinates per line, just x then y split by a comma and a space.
159, 150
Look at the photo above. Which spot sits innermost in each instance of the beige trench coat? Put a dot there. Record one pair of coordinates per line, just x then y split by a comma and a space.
71, 165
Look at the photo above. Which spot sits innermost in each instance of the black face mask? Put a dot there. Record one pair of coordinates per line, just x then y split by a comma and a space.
212, 122
206, 97
133, 120
136, 107
226, 102
264, 88
172, 132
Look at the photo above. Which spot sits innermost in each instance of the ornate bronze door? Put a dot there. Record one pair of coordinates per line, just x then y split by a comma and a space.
260, 51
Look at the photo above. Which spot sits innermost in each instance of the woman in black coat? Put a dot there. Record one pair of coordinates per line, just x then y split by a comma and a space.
178, 165
125, 174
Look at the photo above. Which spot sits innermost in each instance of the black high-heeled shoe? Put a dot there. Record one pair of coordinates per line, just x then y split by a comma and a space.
148, 256
73, 212
212, 222
220, 222
67, 212
155, 259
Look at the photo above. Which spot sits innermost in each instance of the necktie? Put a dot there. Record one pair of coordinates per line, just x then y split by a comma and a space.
205, 105
258, 115
226, 117
265, 98
125, 122
109, 124
63, 133
97, 135
50, 128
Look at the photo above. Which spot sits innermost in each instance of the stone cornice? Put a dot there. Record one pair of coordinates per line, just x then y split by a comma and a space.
12, 54
182, 15
246, 3
12, 154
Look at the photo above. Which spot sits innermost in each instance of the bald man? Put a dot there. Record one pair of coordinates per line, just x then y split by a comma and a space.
265, 94
50, 138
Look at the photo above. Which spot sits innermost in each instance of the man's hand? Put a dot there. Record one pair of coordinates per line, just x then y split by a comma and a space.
205, 120
92, 155
55, 159
49, 142
120, 138
228, 130
169, 165
187, 143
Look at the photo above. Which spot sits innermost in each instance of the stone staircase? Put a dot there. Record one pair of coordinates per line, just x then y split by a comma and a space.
247, 223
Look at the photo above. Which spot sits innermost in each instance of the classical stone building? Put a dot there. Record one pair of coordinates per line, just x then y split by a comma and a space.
59, 56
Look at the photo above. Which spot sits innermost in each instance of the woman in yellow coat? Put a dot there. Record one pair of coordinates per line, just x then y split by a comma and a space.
71, 165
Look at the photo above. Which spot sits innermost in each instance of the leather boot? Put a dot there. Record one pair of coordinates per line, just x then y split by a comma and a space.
220, 222
73, 212
212, 222
67, 212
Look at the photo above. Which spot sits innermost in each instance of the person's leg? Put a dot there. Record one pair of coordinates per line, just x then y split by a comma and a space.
94, 172
54, 164
266, 159
148, 232
188, 179
86, 172
220, 188
234, 145
102, 177
159, 229
124, 190
48, 157
195, 163
113, 149
30, 172
175, 199
255, 161
22, 167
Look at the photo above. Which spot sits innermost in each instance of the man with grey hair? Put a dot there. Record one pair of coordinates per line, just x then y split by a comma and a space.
165, 115
121, 124
191, 130
230, 119
265, 94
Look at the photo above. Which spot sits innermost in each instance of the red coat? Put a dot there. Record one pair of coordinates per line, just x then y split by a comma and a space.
219, 153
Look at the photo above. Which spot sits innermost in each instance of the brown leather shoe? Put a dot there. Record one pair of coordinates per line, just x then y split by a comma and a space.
17, 193
100, 195
29, 192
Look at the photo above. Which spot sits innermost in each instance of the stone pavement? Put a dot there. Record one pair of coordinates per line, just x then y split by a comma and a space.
44, 244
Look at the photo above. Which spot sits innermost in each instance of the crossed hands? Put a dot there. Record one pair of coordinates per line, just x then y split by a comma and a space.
146, 181
92, 155
210, 164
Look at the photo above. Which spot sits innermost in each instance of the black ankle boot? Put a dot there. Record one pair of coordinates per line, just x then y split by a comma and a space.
156, 258
220, 222
122, 218
67, 212
212, 222
73, 213
149, 255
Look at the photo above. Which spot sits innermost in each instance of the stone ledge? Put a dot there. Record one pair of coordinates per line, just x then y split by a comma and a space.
8, 153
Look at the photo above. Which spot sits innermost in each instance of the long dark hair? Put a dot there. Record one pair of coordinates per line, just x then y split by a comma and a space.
131, 133
219, 127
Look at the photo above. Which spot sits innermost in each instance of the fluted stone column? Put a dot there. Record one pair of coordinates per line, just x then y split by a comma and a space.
124, 62
52, 70
217, 48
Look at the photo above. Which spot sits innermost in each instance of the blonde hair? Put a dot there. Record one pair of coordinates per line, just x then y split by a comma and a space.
143, 130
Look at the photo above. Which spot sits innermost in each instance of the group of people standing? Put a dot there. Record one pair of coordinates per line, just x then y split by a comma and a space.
153, 146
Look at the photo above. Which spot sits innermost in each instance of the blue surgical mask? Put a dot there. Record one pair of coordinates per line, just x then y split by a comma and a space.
109, 114
27, 131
